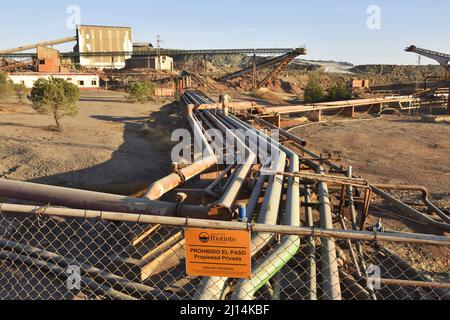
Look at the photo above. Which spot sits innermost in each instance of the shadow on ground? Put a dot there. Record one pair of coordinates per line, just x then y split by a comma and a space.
141, 159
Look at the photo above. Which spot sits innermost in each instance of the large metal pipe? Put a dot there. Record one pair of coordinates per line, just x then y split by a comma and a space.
81, 199
219, 179
311, 249
283, 133
425, 197
170, 182
282, 253
100, 289
64, 262
33, 46
409, 211
46, 211
242, 172
255, 196
329, 267
289, 246
212, 288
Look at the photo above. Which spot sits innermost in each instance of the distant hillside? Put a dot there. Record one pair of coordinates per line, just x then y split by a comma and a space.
399, 73
328, 65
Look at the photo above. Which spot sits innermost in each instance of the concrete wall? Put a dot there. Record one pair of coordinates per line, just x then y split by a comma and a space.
83, 81
104, 39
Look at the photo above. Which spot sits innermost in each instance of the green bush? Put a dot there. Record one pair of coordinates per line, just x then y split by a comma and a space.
20, 90
55, 97
5, 85
140, 91
338, 92
314, 91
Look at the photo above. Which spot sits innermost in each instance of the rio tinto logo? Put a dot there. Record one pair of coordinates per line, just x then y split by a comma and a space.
204, 237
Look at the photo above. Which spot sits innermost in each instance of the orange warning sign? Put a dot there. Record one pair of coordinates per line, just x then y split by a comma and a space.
218, 253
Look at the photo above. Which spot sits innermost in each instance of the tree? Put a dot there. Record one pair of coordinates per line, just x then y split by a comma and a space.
55, 97
20, 90
338, 92
140, 91
314, 91
5, 85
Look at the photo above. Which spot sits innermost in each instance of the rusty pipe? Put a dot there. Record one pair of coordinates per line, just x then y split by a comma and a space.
425, 195
242, 172
212, 288
80, 199
329, 266
411, 212
170, 182
283, 132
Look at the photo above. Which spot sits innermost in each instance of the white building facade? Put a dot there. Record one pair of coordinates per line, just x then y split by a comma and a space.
82, 81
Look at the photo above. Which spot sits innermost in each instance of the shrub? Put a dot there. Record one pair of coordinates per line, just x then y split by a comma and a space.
5, 85
314, 91
338, 92
55, 97
140, 91
20, 90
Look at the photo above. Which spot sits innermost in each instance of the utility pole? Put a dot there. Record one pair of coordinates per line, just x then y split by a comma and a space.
419, 63
158, 69
205, 71
255, 84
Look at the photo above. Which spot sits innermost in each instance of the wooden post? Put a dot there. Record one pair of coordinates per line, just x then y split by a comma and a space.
448, 101
275, 120
315, 116
349, 112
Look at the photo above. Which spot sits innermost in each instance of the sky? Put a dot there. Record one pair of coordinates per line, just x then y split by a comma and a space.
355, 31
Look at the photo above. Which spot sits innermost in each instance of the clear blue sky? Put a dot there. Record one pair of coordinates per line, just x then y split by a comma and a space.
330, 29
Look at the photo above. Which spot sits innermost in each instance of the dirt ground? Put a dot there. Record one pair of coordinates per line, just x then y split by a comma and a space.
103, 148
393, 149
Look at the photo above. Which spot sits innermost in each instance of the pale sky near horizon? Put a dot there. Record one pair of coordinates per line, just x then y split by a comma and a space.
330, 29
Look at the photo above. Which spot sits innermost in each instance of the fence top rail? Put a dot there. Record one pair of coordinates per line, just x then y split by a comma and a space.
224, 225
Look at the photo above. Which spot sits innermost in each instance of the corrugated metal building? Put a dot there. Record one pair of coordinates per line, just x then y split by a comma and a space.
103, 39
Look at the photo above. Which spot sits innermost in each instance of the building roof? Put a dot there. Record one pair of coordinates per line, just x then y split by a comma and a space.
50, 74
94, 26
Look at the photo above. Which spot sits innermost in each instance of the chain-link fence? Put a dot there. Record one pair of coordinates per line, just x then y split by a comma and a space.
43, 257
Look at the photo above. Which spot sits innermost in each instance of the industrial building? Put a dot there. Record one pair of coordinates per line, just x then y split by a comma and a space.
48, 60
103, 39
164, 63
82, 81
